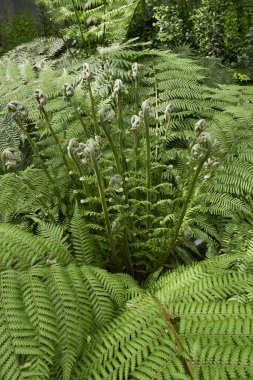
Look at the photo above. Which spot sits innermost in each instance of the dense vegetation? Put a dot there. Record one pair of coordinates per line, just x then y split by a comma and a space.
126, 198
216, 28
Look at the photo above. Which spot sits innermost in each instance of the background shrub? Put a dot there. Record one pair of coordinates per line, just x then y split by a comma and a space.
17, 30
212, 28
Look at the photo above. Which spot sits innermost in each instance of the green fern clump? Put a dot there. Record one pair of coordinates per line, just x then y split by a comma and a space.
65, 321
49, 306
135, 161
150, 178
188, 326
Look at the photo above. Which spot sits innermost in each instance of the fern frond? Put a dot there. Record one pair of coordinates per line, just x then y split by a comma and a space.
177, 334
49, 307
86, 251
20, 349
21, 249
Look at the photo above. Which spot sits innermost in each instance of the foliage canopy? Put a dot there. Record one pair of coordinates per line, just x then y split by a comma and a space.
60, 320
126, 208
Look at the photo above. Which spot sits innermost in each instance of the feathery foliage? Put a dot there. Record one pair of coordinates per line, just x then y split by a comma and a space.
134, 162
64, 321
90, 22
152, 175
48, 306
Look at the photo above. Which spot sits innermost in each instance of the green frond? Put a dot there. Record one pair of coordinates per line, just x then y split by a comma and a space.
172, 333
21, 249
20, 349
86, 251
95, 20
9, 134
38, 51
49, 307
63, 321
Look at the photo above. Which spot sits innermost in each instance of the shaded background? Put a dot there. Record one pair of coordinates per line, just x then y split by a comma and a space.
20, 21
9, 8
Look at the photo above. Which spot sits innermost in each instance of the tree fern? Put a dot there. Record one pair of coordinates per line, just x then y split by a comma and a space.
163, 202
135, 161
48, 310
179, 331
60, 320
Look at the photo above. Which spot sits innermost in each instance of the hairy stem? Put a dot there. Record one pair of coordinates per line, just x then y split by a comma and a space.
114, 256
80, 173
79, 26
121, 136
186, 204
37, 154
78, 115
167, 128
136, 150
55, 137
93, 108
136, 136
156, 112
121, 172
113, 148
43, 166
148, 165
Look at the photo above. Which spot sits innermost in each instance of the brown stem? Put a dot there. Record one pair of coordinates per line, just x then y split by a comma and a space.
167, 317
